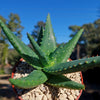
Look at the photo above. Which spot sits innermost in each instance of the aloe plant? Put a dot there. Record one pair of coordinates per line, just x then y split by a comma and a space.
49, 60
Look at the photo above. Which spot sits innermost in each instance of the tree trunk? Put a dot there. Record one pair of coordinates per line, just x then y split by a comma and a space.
78, 51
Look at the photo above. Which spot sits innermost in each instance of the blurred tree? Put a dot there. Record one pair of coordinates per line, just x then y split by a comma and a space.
2, 36
37, 27
14, 24
4, 59
91, 37
81, 42
13, 56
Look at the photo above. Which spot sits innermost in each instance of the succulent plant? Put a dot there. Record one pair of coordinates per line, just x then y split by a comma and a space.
49, 60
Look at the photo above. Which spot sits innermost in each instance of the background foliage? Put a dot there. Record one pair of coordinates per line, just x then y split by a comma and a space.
90, 39
6, 55
88, 44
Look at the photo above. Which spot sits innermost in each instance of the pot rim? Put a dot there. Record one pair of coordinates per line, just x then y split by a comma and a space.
19, 97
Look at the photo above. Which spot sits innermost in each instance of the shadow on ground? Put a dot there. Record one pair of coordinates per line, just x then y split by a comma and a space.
90, 96
6, 91
92, 84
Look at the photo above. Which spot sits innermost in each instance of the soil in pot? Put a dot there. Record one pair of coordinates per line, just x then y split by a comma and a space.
44, 91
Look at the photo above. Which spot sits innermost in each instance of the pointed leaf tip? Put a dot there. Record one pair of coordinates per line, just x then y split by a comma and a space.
48, 15
48, 43
34, 79
42, 57
61, 54
24, 51
64, 82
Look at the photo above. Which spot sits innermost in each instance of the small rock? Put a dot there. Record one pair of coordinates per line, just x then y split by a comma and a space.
63, 97
38, 97
44, 98
70, 97
77, 92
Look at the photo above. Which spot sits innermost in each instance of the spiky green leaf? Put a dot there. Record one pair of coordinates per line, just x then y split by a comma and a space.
74, 66
34, 79
22, 49
64, 82
63, 52
48, 43
43, 58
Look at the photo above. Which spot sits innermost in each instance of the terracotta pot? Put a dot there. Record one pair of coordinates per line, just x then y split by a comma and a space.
12, 75
18, 97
